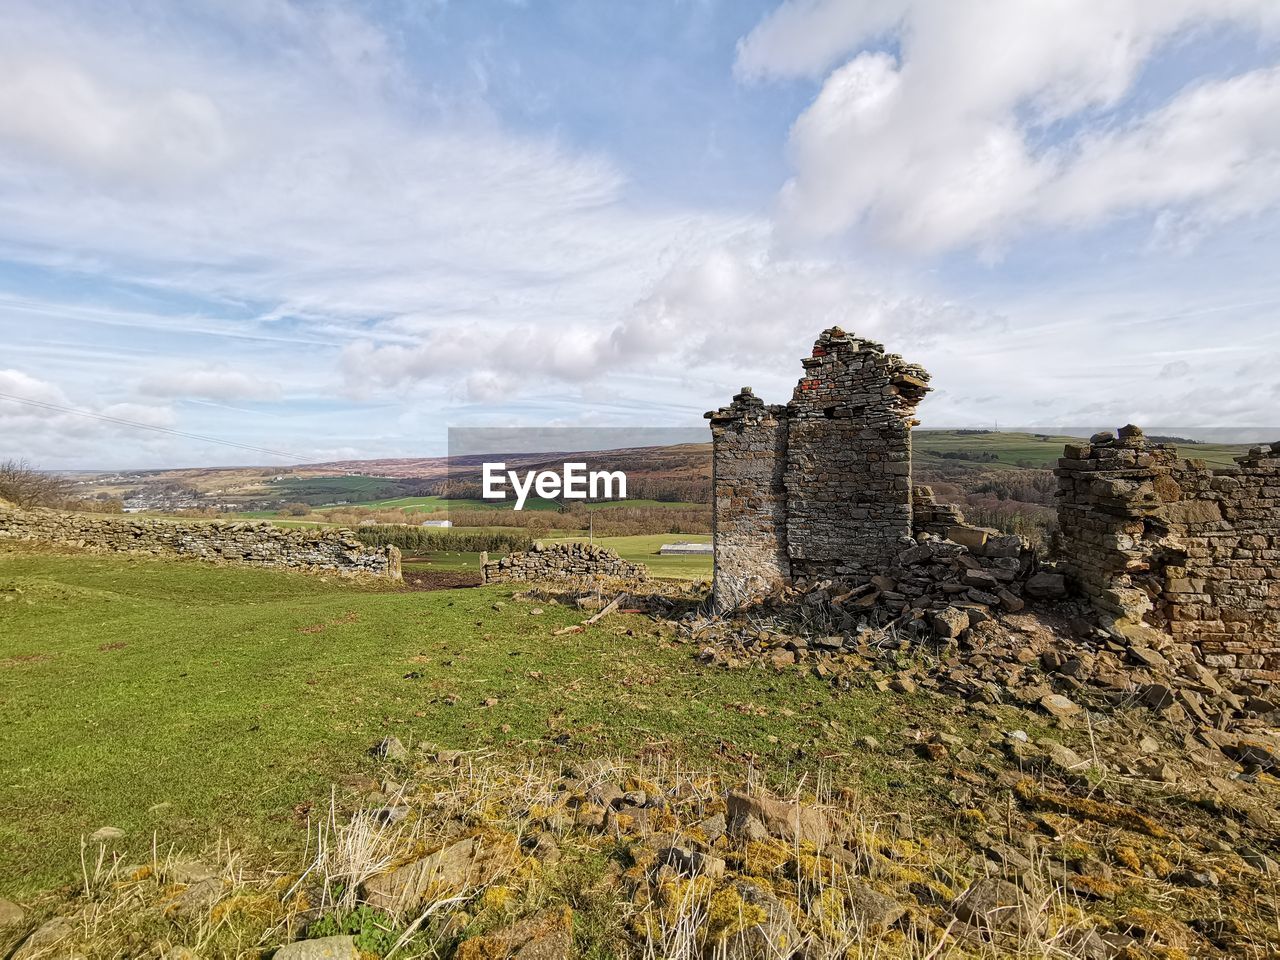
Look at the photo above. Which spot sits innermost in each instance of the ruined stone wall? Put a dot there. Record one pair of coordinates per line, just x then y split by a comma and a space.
821, 487
560, 561
256, 543
848, 473
1158, 540
930, 516
749, 515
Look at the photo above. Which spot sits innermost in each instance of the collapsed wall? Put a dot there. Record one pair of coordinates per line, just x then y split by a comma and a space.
560, 561
819, 487
1156, 540
255, 543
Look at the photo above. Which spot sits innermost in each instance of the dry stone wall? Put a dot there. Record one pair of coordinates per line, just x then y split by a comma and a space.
256, 543
560, 561
819, 487
1157, 540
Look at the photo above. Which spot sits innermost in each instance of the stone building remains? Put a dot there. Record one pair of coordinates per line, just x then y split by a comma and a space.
820, 488
560, 561
1163, 542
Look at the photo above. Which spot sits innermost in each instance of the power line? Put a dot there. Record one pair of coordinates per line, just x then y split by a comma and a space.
122, 421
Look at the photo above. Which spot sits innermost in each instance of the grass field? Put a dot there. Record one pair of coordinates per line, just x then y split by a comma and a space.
234, 697
1036, 450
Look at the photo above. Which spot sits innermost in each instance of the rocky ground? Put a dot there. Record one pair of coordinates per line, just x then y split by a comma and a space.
1090, 792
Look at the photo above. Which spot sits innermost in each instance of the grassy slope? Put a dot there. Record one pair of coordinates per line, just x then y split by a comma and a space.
236, 695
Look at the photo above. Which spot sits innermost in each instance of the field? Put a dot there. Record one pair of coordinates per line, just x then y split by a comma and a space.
1031, 450
193, 701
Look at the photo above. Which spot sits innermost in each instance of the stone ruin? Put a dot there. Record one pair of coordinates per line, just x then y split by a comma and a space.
244, 542
820, 489
560, 561
1160, 541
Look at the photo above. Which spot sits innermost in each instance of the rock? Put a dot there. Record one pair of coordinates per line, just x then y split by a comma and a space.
1087, 945
189, 871
902, 683
444, 872
106, 835
322, 948
11, 915
389, 748
1046, 586
950, 623
786, 820
692, 862
545, 936
1010, 602
971, 537
57, 932
997, 906
871, 910
544, 848
1250, 749
182, 953
1063, 760
713, 828
1059, 706
196, 898
774, 937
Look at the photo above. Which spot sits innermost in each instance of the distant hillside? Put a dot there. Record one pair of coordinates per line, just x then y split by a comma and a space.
681, 471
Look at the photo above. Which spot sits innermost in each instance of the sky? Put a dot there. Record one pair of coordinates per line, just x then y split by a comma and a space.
334, 230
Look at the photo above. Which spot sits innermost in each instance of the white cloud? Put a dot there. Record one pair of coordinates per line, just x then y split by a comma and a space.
50, 434
210, 383
996, 116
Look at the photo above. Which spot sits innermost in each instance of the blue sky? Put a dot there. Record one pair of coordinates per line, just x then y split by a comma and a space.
335, 230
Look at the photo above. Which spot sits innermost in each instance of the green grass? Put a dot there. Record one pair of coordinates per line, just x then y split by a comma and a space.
236, 696
1036, 450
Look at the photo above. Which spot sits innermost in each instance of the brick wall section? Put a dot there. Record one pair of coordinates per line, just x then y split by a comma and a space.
1157, 539
560, 561
254, 543
819, 487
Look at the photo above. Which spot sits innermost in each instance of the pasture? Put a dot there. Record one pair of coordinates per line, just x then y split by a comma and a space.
189, 701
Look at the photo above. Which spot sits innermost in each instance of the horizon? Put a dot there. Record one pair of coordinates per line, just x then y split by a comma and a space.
334, 232
1238, 437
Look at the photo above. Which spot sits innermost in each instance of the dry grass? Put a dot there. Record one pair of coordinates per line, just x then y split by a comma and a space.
626, 902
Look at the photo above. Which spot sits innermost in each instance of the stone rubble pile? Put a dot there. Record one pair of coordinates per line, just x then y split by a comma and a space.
561, 561
249, 542
984, 624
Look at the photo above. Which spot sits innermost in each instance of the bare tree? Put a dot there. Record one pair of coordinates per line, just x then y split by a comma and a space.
25, 486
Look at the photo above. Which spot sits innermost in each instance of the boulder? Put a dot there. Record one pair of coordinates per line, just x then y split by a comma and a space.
1046, 586
544, 936
950, 622
775, 936
997, 906
871, 910
322, 948
441, 873
11, 915
52, 938
786, 820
